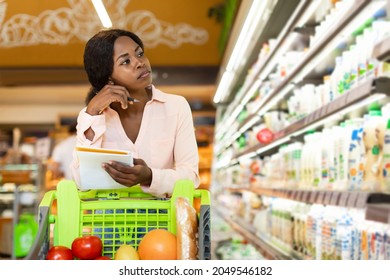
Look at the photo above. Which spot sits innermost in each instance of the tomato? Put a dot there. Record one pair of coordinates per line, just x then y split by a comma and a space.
103, 258
59, 253
87, 247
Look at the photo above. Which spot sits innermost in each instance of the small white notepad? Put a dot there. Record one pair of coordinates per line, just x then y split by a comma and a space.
92, 174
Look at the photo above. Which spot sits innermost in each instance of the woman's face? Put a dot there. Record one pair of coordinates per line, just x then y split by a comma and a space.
131, 67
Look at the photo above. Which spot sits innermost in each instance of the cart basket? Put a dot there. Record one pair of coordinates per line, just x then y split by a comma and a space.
118, 216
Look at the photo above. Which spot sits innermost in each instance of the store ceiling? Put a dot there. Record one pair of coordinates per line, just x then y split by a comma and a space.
42, 42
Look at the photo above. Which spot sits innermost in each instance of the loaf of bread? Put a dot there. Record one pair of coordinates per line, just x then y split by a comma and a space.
186, 230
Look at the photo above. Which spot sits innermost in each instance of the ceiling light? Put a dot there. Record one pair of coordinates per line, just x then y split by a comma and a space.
236, 60
102, 13
224, 86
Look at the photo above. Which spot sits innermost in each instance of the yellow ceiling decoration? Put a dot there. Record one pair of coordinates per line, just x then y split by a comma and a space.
50, 34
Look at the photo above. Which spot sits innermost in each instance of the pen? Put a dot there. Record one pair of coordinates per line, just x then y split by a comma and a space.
131, 99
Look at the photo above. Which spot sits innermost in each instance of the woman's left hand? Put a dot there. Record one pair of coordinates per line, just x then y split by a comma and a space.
128, 175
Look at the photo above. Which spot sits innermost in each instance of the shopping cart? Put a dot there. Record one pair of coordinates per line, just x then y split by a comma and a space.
117, 216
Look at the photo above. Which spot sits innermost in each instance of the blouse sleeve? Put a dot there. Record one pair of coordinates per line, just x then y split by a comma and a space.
84, 122
186, 157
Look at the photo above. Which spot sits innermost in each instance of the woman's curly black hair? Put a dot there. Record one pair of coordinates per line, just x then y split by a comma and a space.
98, 57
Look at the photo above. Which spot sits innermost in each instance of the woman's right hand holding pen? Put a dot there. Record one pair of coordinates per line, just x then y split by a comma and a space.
110, 93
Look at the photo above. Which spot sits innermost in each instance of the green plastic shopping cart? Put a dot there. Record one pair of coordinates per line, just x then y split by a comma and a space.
117, 216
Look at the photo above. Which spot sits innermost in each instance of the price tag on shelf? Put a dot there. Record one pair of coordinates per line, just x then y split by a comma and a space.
299, 195
343, 199
287, 194
328, 197
320, 197
294, 195
331, 106
352, 199
335, 198
313, 197
361, 201
305, 196
324, 111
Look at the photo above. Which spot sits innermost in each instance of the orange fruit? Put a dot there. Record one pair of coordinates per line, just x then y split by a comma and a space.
158, 244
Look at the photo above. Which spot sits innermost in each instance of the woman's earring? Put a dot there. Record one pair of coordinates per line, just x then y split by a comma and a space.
110, 82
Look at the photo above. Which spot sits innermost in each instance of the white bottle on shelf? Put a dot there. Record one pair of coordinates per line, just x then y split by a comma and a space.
386, 159
355, 159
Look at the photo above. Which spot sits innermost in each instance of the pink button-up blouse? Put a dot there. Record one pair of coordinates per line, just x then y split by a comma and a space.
166, 140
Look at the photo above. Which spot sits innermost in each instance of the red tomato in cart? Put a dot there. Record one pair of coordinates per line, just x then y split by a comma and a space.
87, 247
103, 258
59, 253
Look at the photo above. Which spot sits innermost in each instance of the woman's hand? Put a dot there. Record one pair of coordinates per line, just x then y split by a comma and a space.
127, 175
108, 94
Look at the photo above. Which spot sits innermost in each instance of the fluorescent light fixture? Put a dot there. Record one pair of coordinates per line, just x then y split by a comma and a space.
102, 13
251, 24
224, 86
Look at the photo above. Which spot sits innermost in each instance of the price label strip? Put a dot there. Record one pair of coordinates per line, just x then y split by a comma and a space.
328, 197
352, 199
335, 198
343, 199
361, 201
320, 197
313, 197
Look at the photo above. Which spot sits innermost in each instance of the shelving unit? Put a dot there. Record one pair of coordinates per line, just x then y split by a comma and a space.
21, 196
313, 64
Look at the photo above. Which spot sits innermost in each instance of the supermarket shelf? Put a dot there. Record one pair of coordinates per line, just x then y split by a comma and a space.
243, 96
265, 246
284, 87
354, 199
364, 90
379, 213
382, 50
